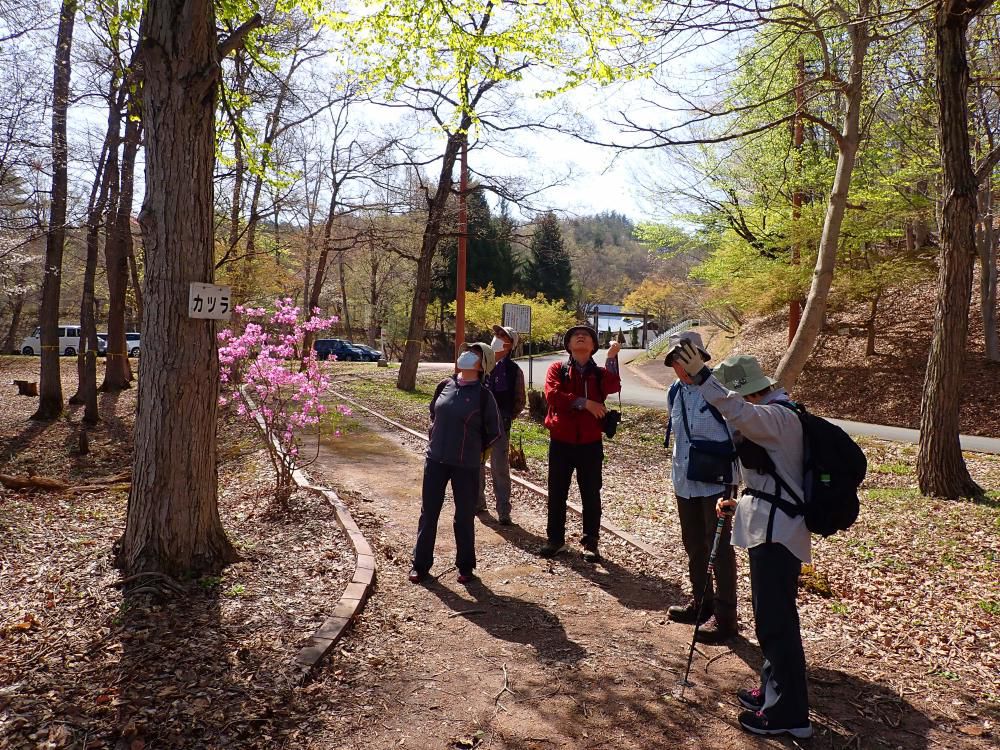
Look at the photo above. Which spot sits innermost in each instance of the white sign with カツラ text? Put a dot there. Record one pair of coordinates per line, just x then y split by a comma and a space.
209, 301
517, 317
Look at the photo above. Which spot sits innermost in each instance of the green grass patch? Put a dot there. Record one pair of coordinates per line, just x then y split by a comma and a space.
896, 468
839, 608
989, 606
533, 436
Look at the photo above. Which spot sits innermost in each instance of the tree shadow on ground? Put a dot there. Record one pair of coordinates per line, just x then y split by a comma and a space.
510, 619
13, 445
634, 589
850, 712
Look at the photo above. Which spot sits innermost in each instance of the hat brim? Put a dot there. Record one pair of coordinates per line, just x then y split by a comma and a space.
586, 329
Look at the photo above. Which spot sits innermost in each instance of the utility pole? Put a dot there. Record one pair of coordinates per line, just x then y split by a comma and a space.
463, 238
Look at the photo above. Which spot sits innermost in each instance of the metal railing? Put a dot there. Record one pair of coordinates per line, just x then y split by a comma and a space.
682, 326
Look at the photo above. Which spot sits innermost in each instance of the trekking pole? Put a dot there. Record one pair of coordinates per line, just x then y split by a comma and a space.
719, 526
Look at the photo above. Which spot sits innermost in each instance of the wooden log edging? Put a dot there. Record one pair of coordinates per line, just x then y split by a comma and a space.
353, 600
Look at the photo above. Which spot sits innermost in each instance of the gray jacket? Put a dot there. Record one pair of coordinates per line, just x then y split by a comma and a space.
465, 421
776, 429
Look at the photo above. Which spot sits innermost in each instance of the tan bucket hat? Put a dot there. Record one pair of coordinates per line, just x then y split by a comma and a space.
507, 332
743, 374
489, 359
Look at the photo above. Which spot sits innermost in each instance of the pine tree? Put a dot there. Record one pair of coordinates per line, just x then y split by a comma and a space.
549, 270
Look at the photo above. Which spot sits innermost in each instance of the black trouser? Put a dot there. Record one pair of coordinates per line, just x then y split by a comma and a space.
698, 521
588, 462
465, 488
774, 578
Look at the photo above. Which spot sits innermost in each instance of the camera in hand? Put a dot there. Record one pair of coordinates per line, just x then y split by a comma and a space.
612, 418
668, 361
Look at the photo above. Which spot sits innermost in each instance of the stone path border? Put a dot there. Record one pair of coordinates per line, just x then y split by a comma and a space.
606, 525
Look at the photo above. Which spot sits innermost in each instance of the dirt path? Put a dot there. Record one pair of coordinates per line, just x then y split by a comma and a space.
541, 655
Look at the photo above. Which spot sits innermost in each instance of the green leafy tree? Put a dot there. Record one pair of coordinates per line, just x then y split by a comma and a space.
449, 58
484, 309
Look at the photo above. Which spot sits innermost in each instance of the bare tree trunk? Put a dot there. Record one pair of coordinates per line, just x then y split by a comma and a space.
133, 267
870, 347
941, 470
798, 352
986, 247
117, 372
343, 292
50, 402
172, 523
437, 205
105, 183
16, 308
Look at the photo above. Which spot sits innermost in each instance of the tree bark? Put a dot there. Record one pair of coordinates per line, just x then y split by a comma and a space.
437, 205
986, 247
872, 318
50, 402
172, 523
941, 470
798, 352
117, 371
16, 308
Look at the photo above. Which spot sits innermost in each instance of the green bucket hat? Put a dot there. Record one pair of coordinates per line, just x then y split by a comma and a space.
743, 374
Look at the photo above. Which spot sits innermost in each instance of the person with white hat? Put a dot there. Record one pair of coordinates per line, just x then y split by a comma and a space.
465, 423
506, 383
769, 441
702, 467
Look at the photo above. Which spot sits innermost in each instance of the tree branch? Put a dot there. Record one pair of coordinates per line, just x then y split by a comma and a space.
236, 39
987, 164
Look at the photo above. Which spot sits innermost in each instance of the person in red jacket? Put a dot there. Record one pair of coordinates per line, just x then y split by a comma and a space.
575, 391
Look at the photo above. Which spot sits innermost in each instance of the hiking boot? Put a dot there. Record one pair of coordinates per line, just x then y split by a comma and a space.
714, 631
551, 549
416, 576
504, 520
756, 722
686, 614
751, 699
590, 553
466, 576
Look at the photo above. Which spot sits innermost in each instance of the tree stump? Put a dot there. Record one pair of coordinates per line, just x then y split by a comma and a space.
26, 388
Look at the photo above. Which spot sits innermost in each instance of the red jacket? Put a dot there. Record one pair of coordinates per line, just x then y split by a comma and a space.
565, 423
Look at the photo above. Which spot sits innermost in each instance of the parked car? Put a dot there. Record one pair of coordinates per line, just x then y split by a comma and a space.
131, 343
342, 350
371, 354
69, 342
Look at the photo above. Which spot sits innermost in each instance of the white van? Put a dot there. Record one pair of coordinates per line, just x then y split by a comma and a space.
69, 342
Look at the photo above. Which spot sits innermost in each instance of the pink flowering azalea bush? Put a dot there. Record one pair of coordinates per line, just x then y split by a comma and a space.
267, 376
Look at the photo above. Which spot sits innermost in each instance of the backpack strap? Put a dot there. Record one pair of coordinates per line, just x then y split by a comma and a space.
671, 395
786, 505
437, 392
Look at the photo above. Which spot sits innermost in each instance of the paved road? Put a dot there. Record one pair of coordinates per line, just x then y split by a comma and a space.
637, 391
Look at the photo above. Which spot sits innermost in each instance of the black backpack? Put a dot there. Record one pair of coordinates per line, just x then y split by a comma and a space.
834, 468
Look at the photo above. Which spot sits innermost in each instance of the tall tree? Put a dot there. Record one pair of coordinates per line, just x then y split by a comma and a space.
50, 403
941, 470
172, 523
549, 271
455, 54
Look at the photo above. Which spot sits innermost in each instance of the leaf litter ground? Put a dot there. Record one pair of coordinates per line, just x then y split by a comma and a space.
534, 655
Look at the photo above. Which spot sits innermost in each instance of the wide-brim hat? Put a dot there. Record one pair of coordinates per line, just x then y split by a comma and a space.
743, 374
507, 332
694, 337
489, 359
588, 329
